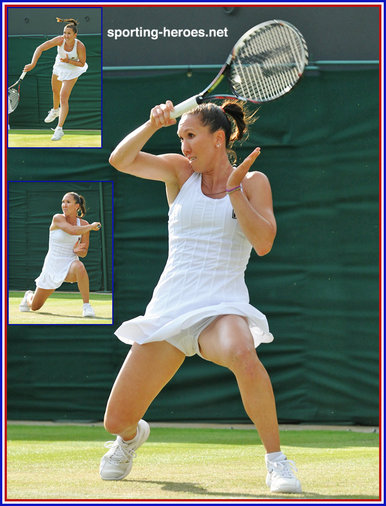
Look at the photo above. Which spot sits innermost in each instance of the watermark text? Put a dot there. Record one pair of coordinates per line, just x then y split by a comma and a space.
166, 33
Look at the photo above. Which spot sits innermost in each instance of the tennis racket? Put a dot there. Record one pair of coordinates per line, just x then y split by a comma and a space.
266, 63
14, 94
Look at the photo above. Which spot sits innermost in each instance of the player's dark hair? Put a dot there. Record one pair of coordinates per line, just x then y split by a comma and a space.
79, 199
72, 23
232, 117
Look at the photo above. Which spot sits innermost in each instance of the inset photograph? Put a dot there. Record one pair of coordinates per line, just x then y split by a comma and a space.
54, 63
60, 249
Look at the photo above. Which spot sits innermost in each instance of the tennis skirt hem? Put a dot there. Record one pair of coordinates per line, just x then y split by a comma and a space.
50, 281
148, 328
66, 71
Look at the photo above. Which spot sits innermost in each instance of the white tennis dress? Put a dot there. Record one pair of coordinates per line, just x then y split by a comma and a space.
66, 71
58, 259
204, 273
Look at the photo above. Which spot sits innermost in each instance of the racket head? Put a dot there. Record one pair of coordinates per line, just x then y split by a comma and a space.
267, 61
265, 64
13, 99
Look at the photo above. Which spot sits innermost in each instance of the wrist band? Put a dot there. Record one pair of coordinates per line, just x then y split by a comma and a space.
233, 189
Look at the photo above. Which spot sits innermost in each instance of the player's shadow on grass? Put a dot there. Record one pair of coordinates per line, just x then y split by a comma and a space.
198, 490
191, 488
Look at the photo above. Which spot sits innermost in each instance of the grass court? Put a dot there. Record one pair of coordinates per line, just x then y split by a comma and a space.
42, 139
61, 462
62, 307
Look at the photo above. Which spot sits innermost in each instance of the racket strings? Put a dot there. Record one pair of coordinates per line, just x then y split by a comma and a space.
13, 99
268, 63
277, 62
267, 73
283, 68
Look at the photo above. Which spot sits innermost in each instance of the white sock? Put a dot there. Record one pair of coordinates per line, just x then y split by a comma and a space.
129, 441
275, 457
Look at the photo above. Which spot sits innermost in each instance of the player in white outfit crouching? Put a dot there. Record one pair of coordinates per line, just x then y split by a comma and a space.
200, 305
69, 239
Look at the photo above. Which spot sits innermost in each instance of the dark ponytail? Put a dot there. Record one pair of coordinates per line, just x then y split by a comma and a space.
72, 23
79, 199
236, 111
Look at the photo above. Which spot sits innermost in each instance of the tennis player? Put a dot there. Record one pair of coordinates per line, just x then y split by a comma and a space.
68, 240
70, 63
201, 304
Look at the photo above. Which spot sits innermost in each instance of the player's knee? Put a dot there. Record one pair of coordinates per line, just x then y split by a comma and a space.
241, 358
237, 345
78, 268
36, 305
64, 98
238, 355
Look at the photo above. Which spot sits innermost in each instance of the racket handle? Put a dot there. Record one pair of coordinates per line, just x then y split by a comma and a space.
23, 75
183, 107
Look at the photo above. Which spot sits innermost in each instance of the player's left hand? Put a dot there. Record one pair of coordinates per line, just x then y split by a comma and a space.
79, 247
239, 173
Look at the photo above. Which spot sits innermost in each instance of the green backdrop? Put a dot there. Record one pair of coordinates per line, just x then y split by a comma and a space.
35, 91
318, 286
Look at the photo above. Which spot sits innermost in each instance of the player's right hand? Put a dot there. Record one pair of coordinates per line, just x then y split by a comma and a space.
28, 67
160, 115
96, 225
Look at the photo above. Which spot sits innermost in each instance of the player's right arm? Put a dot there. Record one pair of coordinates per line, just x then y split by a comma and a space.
56, 41
128, 157
59, 221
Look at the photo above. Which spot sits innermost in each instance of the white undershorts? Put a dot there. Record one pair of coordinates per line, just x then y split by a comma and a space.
187, 340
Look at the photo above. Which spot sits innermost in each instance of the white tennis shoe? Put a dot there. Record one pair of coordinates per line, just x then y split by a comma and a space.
116, 464
281, 477
23, 306
88, 311
52, 114
58, 134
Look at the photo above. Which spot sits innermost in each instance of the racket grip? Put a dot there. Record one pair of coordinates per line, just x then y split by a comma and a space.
23, 75
183, 107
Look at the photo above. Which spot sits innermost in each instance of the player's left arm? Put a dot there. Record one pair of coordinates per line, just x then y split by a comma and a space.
254, 211
80, 62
